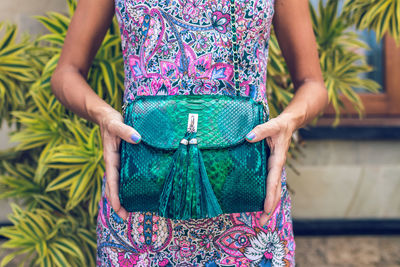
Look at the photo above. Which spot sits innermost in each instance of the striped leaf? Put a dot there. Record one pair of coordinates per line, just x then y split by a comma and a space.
64, 180
80, 185
68, 247
54, 38
7, 258
8, 37
109, 76
89, 237
71, 6
58, 257
67, 161
52, 25
381, 16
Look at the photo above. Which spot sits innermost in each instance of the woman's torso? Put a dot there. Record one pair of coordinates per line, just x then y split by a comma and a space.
158, 37
185, 46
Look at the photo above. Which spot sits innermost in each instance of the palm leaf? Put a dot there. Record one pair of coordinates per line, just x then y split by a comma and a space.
381, 16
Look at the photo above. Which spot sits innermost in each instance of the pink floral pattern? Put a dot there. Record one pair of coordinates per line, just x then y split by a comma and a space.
183, 249
184, 47
127, 259
184, 42
145, 239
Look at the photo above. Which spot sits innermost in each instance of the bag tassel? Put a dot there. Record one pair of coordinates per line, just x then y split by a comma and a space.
204, 202
187, 191
172, 195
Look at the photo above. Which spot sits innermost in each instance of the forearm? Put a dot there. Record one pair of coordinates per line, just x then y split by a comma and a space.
294, 31
71, 89
310, 99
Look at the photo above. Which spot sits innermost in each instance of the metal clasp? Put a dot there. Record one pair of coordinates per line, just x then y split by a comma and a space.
192, 122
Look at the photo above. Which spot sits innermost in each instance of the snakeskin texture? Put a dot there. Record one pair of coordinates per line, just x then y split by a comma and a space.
236, 168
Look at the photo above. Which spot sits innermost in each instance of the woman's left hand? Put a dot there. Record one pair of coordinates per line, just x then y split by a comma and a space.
277, 132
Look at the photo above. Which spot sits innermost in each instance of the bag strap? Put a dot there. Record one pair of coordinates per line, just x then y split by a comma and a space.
235, 47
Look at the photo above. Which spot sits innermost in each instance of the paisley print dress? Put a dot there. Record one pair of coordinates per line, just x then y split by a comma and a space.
184, 47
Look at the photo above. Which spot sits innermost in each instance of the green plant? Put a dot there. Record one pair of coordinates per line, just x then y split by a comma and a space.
341, 61
57, 166
15, 72
55, 170
380, 16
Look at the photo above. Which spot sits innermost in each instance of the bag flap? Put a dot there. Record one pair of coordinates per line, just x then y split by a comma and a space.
223, 120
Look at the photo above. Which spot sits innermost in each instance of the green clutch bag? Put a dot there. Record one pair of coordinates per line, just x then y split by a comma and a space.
193, 161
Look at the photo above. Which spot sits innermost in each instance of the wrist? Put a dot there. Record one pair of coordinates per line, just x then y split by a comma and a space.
99, 111
294, 120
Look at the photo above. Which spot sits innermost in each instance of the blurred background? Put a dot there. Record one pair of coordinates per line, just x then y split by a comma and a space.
343, 170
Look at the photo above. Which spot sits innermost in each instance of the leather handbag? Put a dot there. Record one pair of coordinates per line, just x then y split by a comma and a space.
193, 160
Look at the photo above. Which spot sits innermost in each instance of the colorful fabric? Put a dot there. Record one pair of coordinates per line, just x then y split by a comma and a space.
145, 239
184, 46
173, 47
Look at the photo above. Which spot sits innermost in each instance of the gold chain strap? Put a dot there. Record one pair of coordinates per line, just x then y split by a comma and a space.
235, 47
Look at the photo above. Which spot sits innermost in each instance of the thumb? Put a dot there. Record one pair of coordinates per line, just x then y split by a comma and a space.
262, 131
126, 132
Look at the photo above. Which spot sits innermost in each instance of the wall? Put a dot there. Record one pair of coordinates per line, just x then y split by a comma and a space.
347, 179
21, 12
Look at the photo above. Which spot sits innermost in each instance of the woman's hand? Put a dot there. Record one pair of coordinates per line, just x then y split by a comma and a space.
277, 132
112, 130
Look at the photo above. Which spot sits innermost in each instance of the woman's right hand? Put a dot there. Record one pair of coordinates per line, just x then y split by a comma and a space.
113, 129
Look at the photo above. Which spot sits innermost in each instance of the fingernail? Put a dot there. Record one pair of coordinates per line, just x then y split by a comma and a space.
135, 138
250, 136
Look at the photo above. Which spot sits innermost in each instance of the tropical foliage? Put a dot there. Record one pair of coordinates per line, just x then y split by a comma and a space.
341, 61
382, 16
15, 72
55, 170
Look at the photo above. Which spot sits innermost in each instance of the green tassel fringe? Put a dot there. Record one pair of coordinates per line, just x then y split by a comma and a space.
175, 182
187, 191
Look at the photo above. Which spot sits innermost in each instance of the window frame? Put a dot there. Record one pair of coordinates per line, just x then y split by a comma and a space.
381, 109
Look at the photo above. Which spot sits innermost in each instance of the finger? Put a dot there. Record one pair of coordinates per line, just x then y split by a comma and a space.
108, 200
270, 199
266, 216
126, 132
262, 131
112, 166
275, 165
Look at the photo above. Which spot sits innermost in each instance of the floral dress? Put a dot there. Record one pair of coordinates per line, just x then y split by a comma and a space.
184, 47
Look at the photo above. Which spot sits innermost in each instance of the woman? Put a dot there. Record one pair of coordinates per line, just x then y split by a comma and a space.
261, 238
